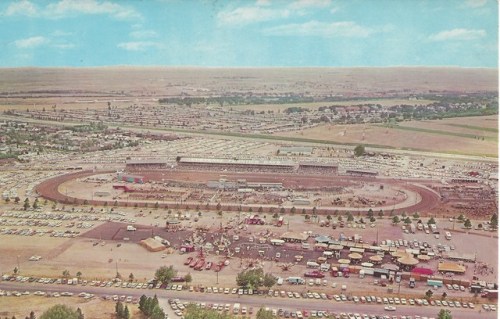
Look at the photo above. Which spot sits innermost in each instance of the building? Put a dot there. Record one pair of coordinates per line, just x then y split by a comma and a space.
236, 164
132, 165
294, 237
317, 168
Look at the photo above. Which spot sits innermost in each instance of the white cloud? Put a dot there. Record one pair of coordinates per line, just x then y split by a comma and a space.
32, 42
304, 4
138, 45
247, 15
65, 7
263, 2
141, 34
475, 3
321, 29
458, 34
23, 7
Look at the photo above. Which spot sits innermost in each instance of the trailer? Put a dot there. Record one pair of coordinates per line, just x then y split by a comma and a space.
277, 242
296, 280
434, 283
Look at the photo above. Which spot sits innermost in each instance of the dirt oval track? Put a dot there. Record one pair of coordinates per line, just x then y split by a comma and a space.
429, 199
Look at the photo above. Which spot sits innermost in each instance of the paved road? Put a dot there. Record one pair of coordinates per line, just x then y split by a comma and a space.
253, 301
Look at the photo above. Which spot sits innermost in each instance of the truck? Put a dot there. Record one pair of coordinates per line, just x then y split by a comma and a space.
490, 293
131, 228
312, 264
314, 274
447, 235
296, 280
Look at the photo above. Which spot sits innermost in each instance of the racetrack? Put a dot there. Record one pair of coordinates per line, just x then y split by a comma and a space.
425, 200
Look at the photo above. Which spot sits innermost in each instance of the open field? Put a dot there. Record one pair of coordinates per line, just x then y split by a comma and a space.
95, 308
144, 81
453, 139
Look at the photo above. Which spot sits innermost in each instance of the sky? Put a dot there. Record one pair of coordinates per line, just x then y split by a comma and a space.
249, 33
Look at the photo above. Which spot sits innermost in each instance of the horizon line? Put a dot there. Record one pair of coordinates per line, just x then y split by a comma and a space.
245, 67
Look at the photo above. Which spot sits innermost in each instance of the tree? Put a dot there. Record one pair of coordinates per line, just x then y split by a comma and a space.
380, 213
467, 223
16, 270
372, 219
494, 221
65, 273
461, 217
395, 220
32, 315
119, 309
428, 294
444, 314
59, 312
329, 217
188, 278
142, 303
292, 210
80, 313
252, 278
314, 211
431, 221
282, 210
79, 274
416, 216
444, 295
35, 203
307, 217
131, 277
164, 274
269, 281
26, 204
350, 218
407, 221
370, 213
17, 200
126, 313
359, 150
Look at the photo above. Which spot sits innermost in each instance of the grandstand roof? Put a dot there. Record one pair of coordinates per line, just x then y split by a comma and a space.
226, 161
146, 161
317, 164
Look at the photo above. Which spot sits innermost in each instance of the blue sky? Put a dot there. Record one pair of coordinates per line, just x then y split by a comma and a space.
248, 33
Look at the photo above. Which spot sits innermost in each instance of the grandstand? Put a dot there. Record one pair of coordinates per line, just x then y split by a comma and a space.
317, 168
236, 165
132, 165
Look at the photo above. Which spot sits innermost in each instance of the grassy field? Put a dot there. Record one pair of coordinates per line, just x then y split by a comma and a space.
439, 132
94, 309
478, 128
432, 136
